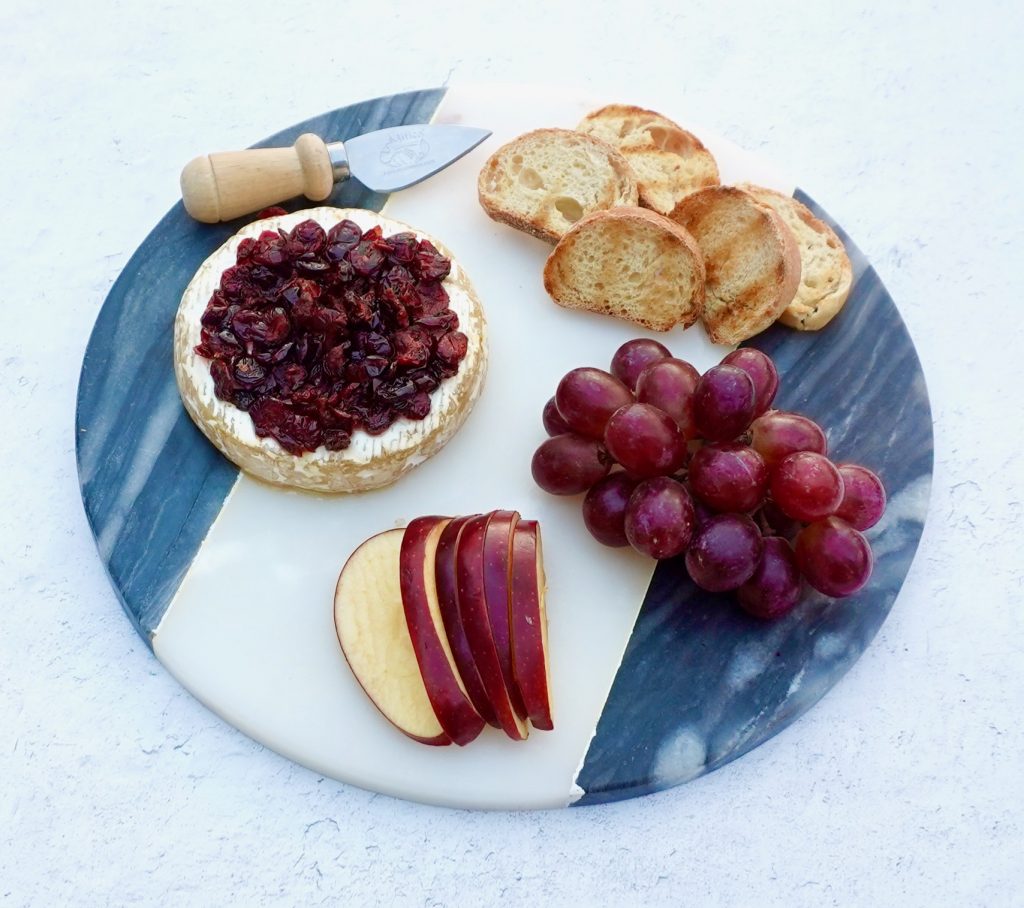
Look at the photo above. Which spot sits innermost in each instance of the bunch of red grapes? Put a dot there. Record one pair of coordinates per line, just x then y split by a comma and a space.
709, 471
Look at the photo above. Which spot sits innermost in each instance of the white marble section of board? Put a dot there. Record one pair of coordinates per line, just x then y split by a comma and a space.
250, 632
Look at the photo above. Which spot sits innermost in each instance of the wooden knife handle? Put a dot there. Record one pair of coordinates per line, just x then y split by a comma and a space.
228, 184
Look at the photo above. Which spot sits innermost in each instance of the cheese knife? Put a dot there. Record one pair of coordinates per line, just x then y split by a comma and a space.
226, 185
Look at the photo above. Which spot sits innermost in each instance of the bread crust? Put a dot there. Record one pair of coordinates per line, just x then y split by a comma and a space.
728, 318
622, 111
497, 206
366, 464
813, 307
555, 279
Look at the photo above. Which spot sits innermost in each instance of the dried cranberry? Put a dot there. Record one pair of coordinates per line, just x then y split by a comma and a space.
403, 247
440, 323
452, 347
295, 432
270, 250
431, 265
432, 297
412, 348
342, 237
380, 421
366, 258
418, 406
306, 238
245, 249
425, 381
360, 307
397, 286
234, 282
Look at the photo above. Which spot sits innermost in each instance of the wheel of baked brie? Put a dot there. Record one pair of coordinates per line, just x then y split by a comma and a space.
350, 458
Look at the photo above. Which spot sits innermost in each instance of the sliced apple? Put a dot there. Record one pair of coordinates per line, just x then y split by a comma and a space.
447, 584
477, 625
530, 625
497, 594
370, 620
445, 690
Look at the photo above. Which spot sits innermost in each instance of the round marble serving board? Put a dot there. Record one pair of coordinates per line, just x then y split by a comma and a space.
654, 681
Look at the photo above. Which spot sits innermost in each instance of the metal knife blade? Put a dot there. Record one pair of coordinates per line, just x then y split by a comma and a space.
391, 159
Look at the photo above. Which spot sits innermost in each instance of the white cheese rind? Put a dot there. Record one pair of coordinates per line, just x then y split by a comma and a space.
370, 461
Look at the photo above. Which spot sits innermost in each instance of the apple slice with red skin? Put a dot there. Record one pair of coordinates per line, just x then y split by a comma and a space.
498, 595
530, 625
446, 580
477, 625
445, 690
370, 621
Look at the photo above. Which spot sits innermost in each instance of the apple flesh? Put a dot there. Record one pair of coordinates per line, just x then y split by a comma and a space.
445, 690
446, 581
477, 624
498, 596
369, 617
530, 625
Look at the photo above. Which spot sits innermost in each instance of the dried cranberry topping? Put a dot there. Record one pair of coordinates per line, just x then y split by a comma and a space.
319, 334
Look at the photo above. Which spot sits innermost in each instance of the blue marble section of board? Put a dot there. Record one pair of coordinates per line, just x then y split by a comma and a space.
151, 483
701, 683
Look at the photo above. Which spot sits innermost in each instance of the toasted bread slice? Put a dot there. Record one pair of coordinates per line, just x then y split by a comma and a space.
620, 124
751, 257
826, 272
630, 263
668, 161
545, 181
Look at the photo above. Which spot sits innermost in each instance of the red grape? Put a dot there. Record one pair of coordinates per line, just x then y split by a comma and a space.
777, 434
724, 552
586, 397
553, 422
863, 497
729, 477
660, 518
634, 356
604, 508
723, 403
669, 385
775, 586
569, 464
645, 440
834, 557
762, 373
807, 486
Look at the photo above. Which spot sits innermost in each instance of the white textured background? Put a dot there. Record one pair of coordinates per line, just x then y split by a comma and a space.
904, 786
